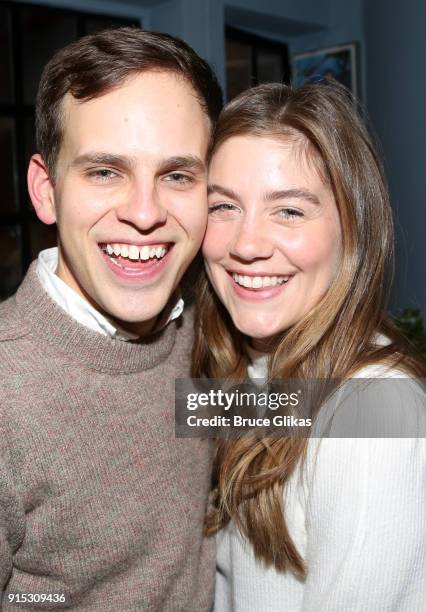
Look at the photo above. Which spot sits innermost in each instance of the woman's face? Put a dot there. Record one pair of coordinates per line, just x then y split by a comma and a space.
273, 239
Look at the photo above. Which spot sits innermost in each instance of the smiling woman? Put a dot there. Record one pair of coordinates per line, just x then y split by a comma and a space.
273, 241
298, 255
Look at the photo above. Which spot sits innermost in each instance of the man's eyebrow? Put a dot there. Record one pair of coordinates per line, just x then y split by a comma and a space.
104, 159
182, 162
224, 191
301, 194
190, 162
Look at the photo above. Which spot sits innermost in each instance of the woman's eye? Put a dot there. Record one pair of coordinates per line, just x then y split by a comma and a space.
222, 208
290, 214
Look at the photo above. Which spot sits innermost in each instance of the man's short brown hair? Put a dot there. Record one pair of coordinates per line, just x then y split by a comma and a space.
96, 64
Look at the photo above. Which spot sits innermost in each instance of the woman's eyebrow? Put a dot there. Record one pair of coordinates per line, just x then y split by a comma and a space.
225, 191
281, 194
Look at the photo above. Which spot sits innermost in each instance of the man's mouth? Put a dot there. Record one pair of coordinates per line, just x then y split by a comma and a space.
135, 261
133, 252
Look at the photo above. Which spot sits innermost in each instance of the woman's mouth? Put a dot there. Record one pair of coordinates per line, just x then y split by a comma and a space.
259, 287
259, 282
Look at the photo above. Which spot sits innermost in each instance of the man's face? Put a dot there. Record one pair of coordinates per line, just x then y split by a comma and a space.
130, 195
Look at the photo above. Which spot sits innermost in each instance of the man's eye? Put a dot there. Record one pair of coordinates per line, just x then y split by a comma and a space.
102, 175
179, 178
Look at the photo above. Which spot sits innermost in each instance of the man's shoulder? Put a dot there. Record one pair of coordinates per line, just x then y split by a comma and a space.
12, 325
14, 336
188, 316
180, 355
185, 325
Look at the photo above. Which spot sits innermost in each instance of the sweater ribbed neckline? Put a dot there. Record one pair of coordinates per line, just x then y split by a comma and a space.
49, 322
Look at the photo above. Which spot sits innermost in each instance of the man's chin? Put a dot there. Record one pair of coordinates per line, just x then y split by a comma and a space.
138, 325
136, 312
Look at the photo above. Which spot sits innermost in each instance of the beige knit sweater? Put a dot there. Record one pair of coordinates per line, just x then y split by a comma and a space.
100, 504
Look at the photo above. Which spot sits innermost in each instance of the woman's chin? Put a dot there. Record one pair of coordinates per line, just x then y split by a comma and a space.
259, 333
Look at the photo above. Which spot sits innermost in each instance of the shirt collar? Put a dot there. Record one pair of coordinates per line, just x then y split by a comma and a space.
257, 368
83, 312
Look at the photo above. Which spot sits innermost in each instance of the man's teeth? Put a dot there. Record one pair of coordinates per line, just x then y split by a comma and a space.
258, 282
131, 251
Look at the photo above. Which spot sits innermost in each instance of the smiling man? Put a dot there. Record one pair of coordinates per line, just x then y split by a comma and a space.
101, 508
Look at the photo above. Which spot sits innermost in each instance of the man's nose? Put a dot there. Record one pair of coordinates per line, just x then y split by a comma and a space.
143, 208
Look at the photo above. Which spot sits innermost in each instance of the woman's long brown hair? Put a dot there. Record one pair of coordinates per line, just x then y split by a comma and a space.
337, 337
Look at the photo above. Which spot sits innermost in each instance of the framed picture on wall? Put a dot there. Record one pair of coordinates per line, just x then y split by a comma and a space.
338, 62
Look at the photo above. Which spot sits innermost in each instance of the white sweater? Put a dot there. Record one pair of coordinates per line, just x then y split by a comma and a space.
357, 514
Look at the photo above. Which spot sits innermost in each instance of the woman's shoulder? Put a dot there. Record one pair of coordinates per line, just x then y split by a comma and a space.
381, 369
379, 400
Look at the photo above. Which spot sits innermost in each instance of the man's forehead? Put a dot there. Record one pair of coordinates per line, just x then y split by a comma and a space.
134, 130
149, 105
151, 81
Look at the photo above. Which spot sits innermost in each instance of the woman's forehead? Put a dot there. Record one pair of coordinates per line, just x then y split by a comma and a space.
303, 153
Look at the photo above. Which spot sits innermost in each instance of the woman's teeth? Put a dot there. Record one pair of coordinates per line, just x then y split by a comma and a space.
133, 252
258, 282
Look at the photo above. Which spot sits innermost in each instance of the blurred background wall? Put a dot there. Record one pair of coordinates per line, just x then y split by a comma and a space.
391, 49
395, 70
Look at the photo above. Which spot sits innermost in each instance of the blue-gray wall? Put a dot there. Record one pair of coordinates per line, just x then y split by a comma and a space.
395, 38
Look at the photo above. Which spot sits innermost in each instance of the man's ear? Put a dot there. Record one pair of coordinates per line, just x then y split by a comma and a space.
40, 189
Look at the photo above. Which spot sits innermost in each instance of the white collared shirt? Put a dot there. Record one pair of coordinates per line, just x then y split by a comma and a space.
257, 369
78, 308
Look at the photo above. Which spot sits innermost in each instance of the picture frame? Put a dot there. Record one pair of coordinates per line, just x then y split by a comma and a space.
339, 62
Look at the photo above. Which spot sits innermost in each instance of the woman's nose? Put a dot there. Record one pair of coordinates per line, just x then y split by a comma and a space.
251, 242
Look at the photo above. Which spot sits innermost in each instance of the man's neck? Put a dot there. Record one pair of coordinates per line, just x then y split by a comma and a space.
140, 329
